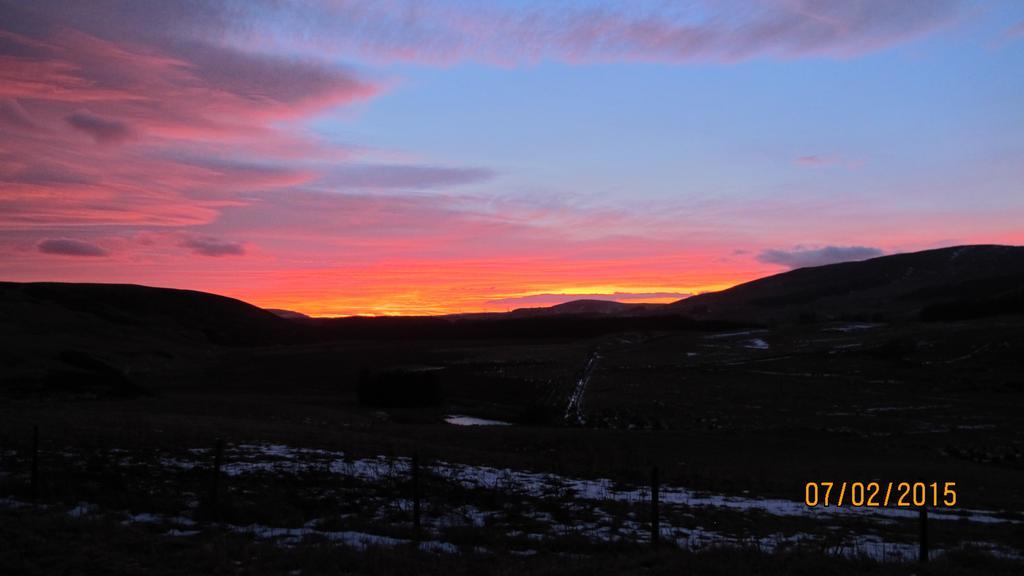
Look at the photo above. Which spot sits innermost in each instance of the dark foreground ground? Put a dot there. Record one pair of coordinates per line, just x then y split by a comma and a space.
312, 481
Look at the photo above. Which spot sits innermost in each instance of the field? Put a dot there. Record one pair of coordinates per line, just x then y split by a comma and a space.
736, 422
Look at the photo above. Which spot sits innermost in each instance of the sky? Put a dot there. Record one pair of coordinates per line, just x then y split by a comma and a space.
340, 157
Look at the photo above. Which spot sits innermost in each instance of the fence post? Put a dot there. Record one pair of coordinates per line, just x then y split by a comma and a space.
922, 552
655, 521
416, 496
35, 462
218, 458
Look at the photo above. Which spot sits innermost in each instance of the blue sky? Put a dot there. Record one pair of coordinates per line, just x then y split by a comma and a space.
934, 113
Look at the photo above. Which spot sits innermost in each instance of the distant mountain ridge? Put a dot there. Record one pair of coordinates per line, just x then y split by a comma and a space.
908, 281
939, 283
895, 286
583, 307
64, 335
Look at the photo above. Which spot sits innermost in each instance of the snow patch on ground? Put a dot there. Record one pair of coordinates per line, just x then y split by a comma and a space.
544, 485
732, 334
463, 420
583, 503
353, 539
853, 327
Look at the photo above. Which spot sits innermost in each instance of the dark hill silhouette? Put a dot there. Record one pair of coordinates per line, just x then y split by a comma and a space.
104, 334
503, 326
218, 319
960, 281
105, 338
96, 338
288, 314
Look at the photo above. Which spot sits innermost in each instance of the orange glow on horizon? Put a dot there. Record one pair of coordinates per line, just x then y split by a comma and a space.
177, 148
418, 303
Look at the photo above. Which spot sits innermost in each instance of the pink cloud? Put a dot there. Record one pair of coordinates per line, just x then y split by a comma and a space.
179, 111
178, 91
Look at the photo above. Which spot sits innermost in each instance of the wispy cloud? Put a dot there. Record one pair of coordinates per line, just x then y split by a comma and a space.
13, 115
207, 122
1015, 31
209, 246
102, 130
70, 247
604, 31
801, 257
812, 160
440, 31
815, 160
398, 176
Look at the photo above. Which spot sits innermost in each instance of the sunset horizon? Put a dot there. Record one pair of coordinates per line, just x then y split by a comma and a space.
445, 157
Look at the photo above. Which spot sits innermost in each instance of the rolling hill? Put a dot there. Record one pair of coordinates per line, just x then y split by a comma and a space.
105, 334
96, 337
932, 284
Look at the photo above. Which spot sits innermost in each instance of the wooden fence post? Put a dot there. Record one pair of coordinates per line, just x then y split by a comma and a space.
218, 458
35, 463
655, 521
922, 552
416, 496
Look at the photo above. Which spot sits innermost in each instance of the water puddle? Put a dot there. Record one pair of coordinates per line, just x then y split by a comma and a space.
463, 420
